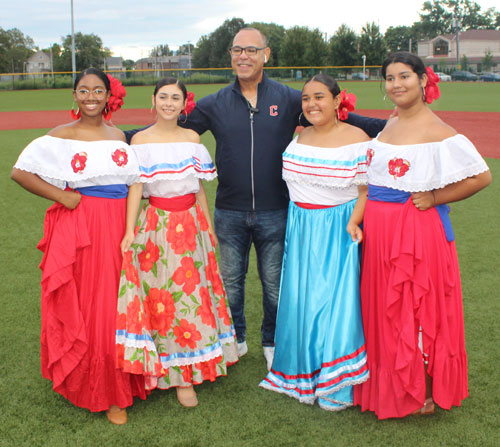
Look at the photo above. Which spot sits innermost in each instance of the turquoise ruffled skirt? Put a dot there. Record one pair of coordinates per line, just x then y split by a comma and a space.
320, 346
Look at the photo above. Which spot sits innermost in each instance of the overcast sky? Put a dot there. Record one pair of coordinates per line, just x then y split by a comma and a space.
130, 28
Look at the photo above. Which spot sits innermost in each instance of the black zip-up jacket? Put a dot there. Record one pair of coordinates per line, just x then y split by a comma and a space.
250, 142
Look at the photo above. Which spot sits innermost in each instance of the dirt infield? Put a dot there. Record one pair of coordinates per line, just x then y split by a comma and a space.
479, 127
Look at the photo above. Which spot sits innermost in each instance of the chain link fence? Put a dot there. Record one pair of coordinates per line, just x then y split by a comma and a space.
29, 81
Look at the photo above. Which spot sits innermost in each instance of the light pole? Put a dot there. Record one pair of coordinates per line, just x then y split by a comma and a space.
189, 53
51, 62
73, 57
456, 24
364, 65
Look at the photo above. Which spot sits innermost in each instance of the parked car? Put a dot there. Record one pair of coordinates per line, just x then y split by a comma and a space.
463, 76
443, 76
490, 77
359, 76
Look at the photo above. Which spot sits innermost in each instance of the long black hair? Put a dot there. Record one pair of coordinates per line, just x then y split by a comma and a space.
93, 71
405, 58
170, 81
326, 80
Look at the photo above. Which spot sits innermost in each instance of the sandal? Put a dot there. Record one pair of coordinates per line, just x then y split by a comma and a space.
187, 396
428, 408
117, 415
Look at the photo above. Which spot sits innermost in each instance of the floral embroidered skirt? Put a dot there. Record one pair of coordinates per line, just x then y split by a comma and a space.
80, 276
174, 324
412, 311
320, 352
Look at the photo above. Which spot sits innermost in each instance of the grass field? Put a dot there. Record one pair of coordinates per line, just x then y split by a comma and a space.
459, 96
233, 411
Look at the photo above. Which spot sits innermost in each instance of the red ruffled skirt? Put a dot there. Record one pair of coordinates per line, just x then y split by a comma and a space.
412, 311
80, 276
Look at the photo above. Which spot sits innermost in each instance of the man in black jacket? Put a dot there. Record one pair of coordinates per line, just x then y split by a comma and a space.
253, 120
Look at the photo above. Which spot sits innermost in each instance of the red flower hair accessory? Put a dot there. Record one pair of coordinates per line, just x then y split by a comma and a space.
347, 103
115, 101
190, 103
431, 89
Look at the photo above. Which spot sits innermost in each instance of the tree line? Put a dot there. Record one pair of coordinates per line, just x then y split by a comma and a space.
296, 46
302, 46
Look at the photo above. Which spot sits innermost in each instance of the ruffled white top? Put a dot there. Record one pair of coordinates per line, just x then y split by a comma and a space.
78, 164
324, 176
173, 169
423, 167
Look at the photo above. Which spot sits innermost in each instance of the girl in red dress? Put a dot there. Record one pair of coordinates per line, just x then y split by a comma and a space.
410, 282
84, 167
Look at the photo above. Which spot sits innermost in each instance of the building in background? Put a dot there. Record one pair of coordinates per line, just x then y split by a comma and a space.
181, 62
39, 63
441, 52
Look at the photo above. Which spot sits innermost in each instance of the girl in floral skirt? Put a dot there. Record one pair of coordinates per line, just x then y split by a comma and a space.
174, 325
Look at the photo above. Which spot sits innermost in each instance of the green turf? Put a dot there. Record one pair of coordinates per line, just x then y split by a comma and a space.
233, 411
460, 96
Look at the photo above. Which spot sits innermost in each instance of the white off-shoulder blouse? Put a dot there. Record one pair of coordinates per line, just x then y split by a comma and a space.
77, 164
173, 169
324, 176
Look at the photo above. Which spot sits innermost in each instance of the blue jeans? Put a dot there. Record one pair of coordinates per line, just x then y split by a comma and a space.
236, 230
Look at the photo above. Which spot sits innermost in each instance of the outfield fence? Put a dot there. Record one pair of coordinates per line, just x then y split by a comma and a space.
43, 80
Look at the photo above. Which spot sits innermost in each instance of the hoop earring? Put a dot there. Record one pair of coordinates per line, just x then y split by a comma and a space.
106, 113
423, 93
385, 97
300, 117
185, 118
75, 115
337, 115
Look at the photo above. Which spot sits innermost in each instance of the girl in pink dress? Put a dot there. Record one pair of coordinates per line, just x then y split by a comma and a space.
410, 282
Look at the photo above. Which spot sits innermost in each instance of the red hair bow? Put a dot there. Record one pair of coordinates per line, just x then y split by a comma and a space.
190, 104
115, 101
431, 89
347, 103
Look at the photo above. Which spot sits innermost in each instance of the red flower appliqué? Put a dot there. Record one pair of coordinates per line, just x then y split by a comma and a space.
398, 167
135, 367
181, 232
187, 334
187, 373
222, 311
151, 219
78, 162
131, 272
120, 157
209, 369
187, 274
369, 155
136, 319
202, 220
205, 311
160, 307
212, 274
148, 257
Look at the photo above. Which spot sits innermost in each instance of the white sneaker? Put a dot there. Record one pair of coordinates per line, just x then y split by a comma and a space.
242, 348
269, 355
